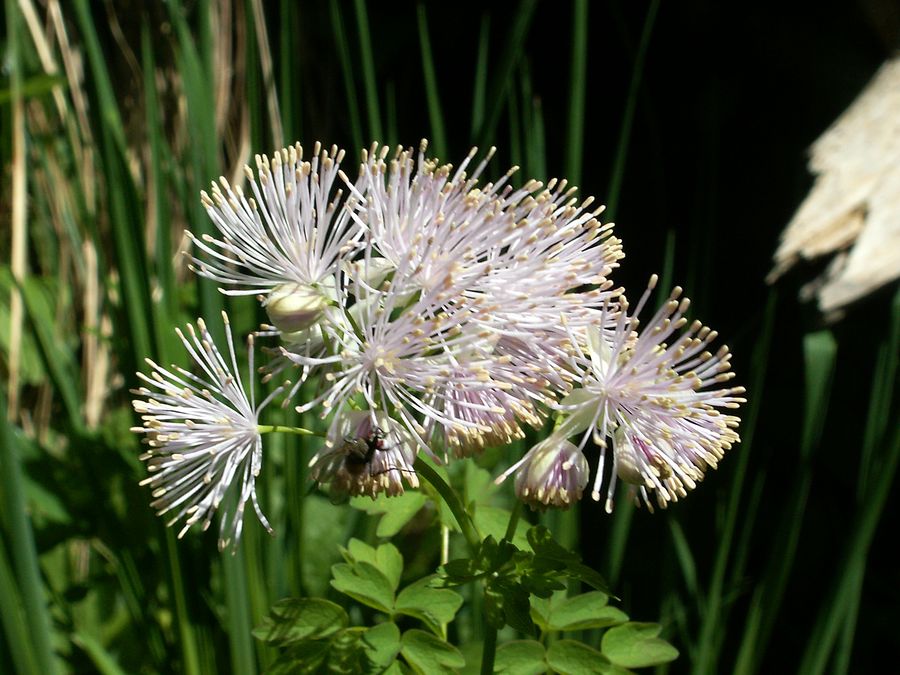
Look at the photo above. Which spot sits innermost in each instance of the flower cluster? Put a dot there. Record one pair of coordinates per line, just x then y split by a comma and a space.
438, 313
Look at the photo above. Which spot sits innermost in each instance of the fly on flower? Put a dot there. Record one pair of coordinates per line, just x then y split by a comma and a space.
365, 454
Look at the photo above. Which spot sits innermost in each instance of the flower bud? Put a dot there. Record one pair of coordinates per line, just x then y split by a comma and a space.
292, 307
554, 473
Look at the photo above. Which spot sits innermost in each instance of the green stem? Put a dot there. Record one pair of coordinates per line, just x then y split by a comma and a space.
513, 521
618, 171
454, 503
300, 431
489, 650
489, 647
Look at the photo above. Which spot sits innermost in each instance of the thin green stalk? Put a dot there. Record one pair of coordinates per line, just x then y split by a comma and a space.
489, 646
533, 124
480, 80
844, 593
343, 50
618, 539
243, 659
844, 648
618, 171
188, 639
454, 503
713, 611
12, 616
131, 261
489, 649
819, 357
842, 601
24, 551
392, 131
507, 64
513, 521
277, 428
167, 306
435, 110
577, 89
368, 64
290, 81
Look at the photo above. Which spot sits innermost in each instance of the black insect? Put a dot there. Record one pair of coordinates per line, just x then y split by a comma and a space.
360, 451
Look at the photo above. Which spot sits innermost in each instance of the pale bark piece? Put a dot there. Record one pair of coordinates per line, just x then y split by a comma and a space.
854, 205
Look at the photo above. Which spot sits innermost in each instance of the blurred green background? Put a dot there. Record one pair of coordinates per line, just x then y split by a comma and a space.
688, 120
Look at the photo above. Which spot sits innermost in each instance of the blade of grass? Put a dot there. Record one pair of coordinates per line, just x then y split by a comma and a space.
618, 539
844, 647
624, 512
353, 108
59, 361
844, 593
165, 308
203, 149
12, 616
103, 661
188, 643
516, 133
18, 215
368, 67
841, 603
243, 659
392, 132
23, 549
618, 170
533, 128
264, 53
577, 90
714, 612
204, 155
685, 558
289, 82
503, 77
479, 86
819, 351
131, 262
435, 111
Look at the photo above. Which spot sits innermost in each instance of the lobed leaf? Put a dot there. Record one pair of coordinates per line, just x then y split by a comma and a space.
520, 657
576, 658
433, 606
296, 619
636, 645
365, 583
382, 644
428, 654
588, 610
395, 512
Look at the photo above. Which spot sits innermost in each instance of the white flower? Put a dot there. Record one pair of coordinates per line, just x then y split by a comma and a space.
529, 251
202, 435
395, 354
292, 230
517, 392
654, 393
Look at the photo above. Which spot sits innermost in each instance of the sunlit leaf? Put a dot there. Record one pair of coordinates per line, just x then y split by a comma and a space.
636, 645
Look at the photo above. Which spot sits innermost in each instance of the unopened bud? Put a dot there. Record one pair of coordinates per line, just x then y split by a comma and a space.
292, 307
